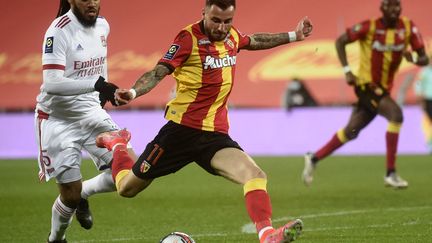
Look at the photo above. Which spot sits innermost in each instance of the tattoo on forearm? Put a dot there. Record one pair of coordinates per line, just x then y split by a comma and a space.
150, 79
260, 41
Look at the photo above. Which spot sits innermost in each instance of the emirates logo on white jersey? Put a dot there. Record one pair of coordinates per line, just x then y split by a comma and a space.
94, 66
213, 63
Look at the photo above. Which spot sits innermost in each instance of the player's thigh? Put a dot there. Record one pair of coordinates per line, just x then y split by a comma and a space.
389, 109
235, 165
131, 184
359, 119
59, 148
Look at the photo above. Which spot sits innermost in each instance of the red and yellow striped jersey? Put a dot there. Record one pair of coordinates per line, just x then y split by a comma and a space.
204, 71
381, 48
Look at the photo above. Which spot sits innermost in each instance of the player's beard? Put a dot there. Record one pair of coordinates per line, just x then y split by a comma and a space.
217, 36
87, 22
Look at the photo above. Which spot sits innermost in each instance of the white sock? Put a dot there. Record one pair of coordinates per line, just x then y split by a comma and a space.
98, 184
60, 220
260, 234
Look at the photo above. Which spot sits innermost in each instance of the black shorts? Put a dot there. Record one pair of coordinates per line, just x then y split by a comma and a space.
369, 96
175, 146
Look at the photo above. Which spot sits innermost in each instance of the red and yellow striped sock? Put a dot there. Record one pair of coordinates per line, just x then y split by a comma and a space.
121, 164
392, 138
335, 142
258, 204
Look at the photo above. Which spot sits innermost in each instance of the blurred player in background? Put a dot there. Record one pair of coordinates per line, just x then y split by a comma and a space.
383, 43
423, 90
202, 59
69, 111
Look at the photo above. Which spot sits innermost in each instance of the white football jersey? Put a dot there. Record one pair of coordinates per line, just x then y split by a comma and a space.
77, 56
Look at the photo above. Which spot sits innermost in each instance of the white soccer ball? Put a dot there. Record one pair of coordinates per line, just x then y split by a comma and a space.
177, 237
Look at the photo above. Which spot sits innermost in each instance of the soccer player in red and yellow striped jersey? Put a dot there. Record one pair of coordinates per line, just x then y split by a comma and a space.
383, 43
204, 71
203, 59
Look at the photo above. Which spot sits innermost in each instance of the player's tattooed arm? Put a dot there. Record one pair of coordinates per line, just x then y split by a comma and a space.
262, 41
150, 79
143, 85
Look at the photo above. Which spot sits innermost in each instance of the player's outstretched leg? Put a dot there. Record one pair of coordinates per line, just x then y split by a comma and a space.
287, 233
84, 215
110, 139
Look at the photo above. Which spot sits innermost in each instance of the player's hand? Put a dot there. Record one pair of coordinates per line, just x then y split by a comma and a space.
304, 28
350, 78
123, 96
106, 91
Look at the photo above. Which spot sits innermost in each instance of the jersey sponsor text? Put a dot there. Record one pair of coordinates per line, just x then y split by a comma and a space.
212, 63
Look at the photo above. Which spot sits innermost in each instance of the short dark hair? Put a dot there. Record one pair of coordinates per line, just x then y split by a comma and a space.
63, 8
223, 4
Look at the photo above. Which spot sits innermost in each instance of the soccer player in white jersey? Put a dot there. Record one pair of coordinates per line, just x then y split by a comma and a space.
69, 111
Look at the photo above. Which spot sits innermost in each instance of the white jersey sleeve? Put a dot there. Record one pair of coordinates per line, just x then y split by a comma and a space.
57, 84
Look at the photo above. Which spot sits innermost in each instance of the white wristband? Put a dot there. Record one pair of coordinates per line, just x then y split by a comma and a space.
292, 36
346, 69
133, 92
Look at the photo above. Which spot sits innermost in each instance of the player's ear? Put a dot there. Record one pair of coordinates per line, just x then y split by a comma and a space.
203, 12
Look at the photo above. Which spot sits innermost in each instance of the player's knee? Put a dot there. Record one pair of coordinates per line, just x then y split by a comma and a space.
397, 118
352, 134
261, 174
396, 115
128, 192
256, 173
71, 199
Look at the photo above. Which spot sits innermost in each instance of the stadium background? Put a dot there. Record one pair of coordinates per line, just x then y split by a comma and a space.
141, 31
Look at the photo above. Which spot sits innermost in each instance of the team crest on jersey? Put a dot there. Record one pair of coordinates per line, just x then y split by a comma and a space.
49, 43
171, 52
103, 41
356, 28
145, 166
230, 43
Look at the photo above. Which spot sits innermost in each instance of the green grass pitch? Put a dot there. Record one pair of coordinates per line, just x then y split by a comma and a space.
346, 203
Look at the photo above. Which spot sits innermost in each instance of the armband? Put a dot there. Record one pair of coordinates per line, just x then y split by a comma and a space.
292, 36
133, 92
346, 69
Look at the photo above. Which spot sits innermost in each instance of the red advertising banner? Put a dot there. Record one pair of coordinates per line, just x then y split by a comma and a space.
142, 31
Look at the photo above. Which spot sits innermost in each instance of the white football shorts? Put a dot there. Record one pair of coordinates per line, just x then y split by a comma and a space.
61, 143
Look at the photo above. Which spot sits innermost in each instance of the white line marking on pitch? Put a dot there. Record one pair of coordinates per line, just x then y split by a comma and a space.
250, 227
